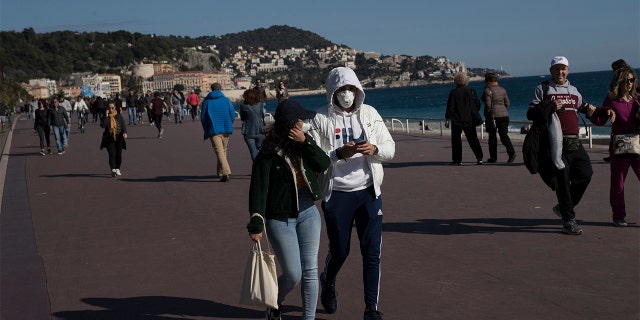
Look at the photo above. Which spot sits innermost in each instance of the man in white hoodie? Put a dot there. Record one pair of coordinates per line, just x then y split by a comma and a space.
356, 139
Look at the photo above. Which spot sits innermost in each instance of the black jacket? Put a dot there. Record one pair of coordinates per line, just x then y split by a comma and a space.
120, 131
58, 116
463, 107
41, 118
273, 189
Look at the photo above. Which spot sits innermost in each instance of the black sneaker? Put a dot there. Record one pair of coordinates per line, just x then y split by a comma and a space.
372, 315
328, 297
491, 160
571, 228
620, 223
274, 314
512, 158
556, 210
455, 163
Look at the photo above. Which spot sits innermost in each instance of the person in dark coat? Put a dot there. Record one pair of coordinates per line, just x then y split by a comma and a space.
114, 137
41, 125
463, 110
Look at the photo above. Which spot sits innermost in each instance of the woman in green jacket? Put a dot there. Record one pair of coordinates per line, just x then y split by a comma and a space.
283, 190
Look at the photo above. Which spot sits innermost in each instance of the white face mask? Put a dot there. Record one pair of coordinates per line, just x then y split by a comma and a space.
346, 98
306, 127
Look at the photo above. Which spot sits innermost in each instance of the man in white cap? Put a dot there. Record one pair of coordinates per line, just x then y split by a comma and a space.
571, 167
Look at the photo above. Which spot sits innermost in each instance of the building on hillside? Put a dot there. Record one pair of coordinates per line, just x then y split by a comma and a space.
224, 79
197, 80
189, 79
38, 91
460, 67
71, 91
113, 81
372, 55
142, 71
243, 83
43, 88
162, 68
274, 66
350, 64
163, 82
104, 85
76, 78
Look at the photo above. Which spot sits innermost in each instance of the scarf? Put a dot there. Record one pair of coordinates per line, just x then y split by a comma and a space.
113, 125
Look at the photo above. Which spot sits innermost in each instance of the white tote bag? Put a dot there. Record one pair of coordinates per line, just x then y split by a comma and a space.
260, 284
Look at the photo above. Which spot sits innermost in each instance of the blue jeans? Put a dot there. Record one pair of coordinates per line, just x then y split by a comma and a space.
253, 141
133, 114
296, 242
61, 137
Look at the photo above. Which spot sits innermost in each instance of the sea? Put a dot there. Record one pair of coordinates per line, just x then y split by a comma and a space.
429, 102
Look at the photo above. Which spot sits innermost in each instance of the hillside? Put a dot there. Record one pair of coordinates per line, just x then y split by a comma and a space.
55, 55
272, 38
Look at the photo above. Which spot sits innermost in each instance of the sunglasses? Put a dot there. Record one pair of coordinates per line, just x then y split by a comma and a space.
631, 80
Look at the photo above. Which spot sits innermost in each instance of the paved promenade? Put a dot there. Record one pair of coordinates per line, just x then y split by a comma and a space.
167, 240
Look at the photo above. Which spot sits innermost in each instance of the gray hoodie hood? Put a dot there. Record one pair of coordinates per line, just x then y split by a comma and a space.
340, 77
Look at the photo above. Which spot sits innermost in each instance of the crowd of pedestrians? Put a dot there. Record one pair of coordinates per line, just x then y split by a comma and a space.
334, 155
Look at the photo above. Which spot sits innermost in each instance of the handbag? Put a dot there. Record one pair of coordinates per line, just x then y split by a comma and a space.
260, 284
626, 144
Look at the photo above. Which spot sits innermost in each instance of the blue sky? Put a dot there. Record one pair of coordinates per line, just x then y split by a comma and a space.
520, 36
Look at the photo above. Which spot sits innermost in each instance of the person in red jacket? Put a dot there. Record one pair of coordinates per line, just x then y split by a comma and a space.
193, 101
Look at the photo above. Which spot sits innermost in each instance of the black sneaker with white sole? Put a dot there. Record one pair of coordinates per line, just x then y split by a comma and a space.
620, 223
571, 228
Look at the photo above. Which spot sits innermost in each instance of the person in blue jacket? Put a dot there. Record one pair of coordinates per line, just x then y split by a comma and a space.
217, 119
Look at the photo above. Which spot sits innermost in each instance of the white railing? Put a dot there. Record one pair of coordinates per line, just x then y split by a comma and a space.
428, 125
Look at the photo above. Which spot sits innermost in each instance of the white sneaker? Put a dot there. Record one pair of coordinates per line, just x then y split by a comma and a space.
118, 173
113, 172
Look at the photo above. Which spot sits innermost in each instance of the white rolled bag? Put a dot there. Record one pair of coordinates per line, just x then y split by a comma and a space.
260, 284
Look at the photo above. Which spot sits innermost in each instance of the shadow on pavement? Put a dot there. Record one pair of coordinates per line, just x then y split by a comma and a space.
156, 308
490, 226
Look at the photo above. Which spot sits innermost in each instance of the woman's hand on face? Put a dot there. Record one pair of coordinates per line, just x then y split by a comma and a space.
296, 134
